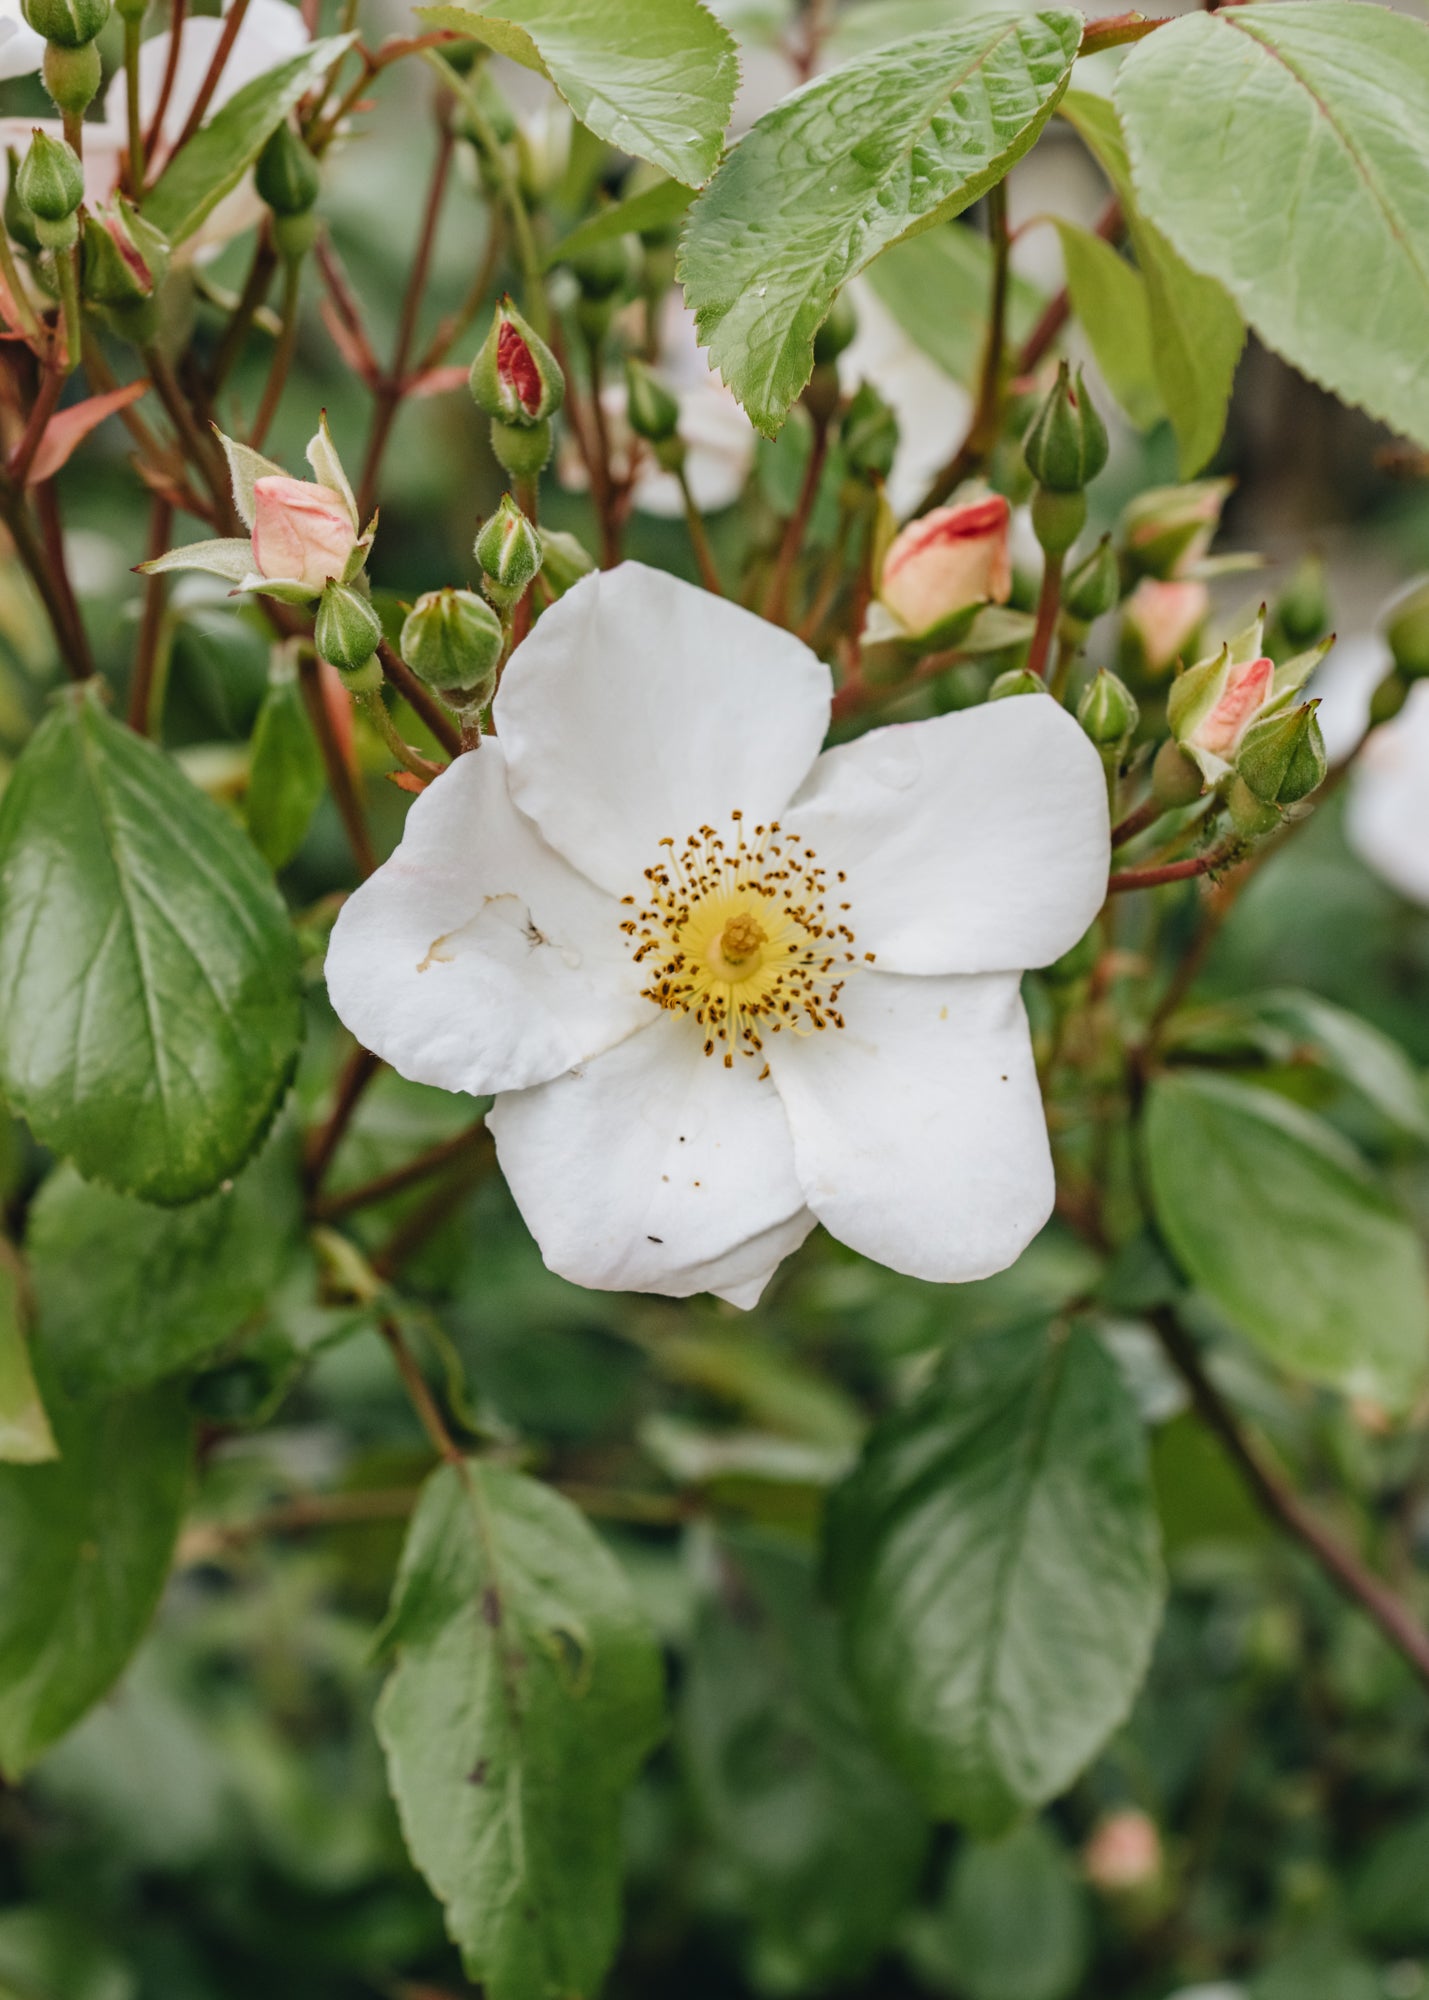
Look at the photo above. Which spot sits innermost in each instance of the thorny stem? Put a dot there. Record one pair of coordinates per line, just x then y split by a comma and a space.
331, 1208
341, 782
151, 627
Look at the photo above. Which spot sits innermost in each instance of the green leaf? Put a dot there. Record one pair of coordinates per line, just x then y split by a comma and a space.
858, 159
824, 1840
1196, 331
220, 153
285, 774
85, 1545
1274, 1218
526, 1696
25, 1434
1014, 1921
937, 286
128, 1293
149, 999
654, 77
654, 208
995, 1562
1307, 194
1110, 299
230, 557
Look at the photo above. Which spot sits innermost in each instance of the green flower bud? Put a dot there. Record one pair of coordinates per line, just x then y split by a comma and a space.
563, 561
71, 23
1094, 587
521, 449
1249, 815
287, 175
509, 551
837, 331
1066, 446
453, 640
516, 377
1166, 531
1016, 680
1175, 778
654, 414
295, 235
1108, 711
1301, 611
72, 76
601, 270
125, 257
1406, 630
1058, 519
19, 223
51, 180
1389, 697
348, 631
869, 434
1282, 758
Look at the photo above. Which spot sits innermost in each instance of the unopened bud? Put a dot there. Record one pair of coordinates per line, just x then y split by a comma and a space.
72, 76
1066, 446
1161, 623
1094, 586
1302, 611
521, 449
50, 181
1016, 680
287, 176
452, 640
516, 378
869, 434
1389, 697
1282, 758
348, 633
1175, 778
1250, 816
564, 560
19, 223
70, 23
509, 551
1108, 711
1166, 531
653, 412
837, 332
1406, 631
125, 257
1057, 519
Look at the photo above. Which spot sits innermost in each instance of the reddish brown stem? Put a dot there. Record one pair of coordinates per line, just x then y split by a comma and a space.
331, 1208
232, 22
776, 602
357, 1072
422, 1399
1049, 604
166, 88
1171, 871
52, 530
46, 402
341, 781
1137, 821
420, 699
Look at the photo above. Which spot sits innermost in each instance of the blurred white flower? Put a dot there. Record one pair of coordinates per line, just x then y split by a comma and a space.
1387, 817
21, 49
724, 987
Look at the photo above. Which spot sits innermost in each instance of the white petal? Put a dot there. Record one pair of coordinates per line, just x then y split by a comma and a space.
1343, 684
653, 1168
475, 959
21, 49
919, 1135
1387, 818
976, 842
641, 708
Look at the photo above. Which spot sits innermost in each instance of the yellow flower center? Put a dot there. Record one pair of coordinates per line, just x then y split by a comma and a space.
741, 935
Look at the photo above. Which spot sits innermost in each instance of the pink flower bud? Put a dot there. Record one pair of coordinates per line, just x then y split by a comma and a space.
1162, 619
301, 532
947, 562
1124, 1853
1246, 690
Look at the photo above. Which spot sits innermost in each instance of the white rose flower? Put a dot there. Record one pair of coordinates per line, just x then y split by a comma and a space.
1387, 817
721, 986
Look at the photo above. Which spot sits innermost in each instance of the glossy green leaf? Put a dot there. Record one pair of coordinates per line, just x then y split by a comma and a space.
1196, 330
655, 208
1307, 194
654, 77
149, 1004
858, 159
1110, 299
220, 153
285, 775
1275, 1219
85, 1545
128, 1293
25, 1434
526, 1695
995, 1561
1014, 1922
824, 1840
937, 285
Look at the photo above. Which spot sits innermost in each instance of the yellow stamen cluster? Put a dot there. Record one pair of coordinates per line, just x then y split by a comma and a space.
739, 933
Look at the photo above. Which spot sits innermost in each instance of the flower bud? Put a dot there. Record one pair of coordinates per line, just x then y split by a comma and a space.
452, 639
286, 175
1301, 611
72, 76
1108, 711
1388, 698
1175, 779
602, 269
1250, 816
945, 564
869, 434
509, 551
1282, 758
1066, 446
51, 180
1093, 587
19, 223
302, 533
125, 257
515, 377
1211, 706
564, 561
521, 449
1160, 623
1057, 519
1123, 1854
348, 630
837, 331
1406, 631
1166, 531
70, 23
1016, 680
653, 412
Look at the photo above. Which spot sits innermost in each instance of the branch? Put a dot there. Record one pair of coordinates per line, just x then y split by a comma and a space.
331, 1208
358, 1072
1173, 871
